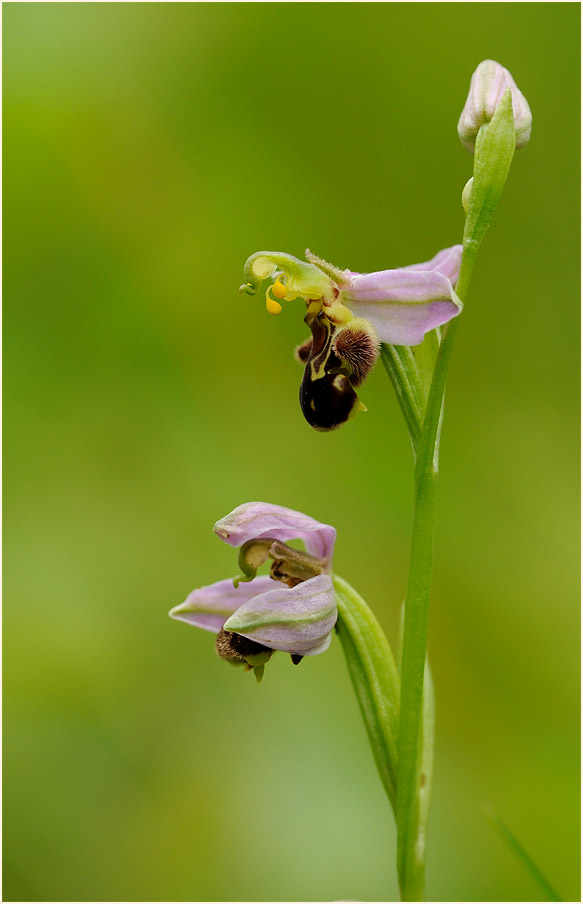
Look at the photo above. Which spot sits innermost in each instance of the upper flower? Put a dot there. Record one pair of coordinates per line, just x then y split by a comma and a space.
402, 305
488, 86
251, 615
349, 315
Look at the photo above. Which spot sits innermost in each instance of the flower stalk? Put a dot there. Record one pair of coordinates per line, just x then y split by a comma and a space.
410, 785
494, 150
410, 858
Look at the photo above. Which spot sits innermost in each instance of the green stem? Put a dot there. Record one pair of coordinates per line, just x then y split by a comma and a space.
374, 676
411, 853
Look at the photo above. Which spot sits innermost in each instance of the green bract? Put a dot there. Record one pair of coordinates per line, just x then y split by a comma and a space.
493, 155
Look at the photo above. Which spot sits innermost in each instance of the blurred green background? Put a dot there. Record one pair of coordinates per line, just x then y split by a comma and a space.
148, 150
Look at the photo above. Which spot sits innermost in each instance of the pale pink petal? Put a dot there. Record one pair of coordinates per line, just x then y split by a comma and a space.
256, 520
404, 304
294, 620
209, 607
446, 262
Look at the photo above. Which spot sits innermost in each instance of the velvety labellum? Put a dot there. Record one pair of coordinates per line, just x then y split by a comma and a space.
327, 396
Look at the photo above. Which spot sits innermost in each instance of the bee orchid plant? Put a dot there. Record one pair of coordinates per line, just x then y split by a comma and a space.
409, 318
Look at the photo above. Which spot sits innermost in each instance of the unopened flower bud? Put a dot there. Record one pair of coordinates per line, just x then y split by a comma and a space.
488, 86
466, 194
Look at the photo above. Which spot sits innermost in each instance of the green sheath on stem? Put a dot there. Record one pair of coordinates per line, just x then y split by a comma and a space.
374, 676
402, 369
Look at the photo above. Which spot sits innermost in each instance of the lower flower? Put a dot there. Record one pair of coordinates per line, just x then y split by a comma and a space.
253, 616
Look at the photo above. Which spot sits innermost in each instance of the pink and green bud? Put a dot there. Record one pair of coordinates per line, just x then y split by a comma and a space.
495, 121
489, 84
